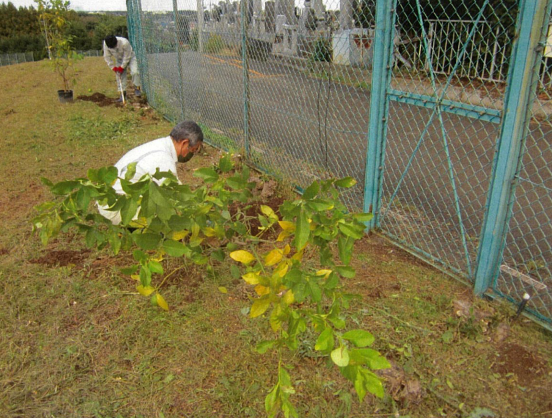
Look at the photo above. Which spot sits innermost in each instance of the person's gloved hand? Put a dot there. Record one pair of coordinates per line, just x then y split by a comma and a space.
118, 69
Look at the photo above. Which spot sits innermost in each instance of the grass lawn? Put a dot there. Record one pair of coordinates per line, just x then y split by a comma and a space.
78, 340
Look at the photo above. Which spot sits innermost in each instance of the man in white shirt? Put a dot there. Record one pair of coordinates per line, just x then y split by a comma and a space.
185, 139
119, 55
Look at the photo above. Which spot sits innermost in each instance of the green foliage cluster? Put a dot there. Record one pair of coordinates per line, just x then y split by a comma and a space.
21, 31
321, 50
214, 44
296, 277
53, 16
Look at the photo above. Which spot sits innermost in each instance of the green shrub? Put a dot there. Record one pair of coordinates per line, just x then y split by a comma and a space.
214, 44
321, 50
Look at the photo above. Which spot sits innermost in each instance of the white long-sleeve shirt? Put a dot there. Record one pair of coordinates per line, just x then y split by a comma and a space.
119, 56
157, 154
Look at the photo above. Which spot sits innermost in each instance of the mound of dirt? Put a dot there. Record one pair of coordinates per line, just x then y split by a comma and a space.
102, 100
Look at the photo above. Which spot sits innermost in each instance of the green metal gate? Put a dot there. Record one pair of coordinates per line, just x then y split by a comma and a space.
445, 150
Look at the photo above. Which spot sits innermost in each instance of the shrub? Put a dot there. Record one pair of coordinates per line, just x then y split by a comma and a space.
214, 44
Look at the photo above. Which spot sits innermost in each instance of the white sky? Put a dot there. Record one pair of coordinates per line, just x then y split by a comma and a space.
120, 5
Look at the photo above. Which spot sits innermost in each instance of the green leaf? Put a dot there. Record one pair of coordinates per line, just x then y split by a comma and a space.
179, 223
64, 187
174, 248
314, 291
264, 346
46, 182
108, 175
345, 246
363, 217
447, 336
351, 230
311, 191
346, 182
359, 337
271, 401
340, 356
147, 241
218, 255
208, 175
325, 341
235, 271
131, 171
225, 163
129, 209
302, 230
346, 271
319, 205
155, 267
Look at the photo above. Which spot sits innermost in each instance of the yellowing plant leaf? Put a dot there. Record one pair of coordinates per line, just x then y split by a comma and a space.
259, 307
282, 236
324, 273
251, 277
178, 235
145, 290
262, 290
299, 255
282, 269
162, 302
288, 298
267, 210
287, 249
209, 232
135, 277
222, 289
244, 257
273, 257
287, 226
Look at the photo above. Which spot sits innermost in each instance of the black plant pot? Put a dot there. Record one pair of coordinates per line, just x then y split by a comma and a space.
65, 96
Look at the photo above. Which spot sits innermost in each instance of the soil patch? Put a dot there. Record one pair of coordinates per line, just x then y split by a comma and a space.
62, 258
527, 366
102, 100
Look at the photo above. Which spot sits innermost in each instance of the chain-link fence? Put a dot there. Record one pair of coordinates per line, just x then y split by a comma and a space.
22, 57
439, 109
16, 58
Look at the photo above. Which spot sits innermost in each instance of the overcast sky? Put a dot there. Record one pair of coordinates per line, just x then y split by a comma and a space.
113, 5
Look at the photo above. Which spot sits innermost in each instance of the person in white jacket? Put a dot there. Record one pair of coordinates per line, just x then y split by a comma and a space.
120, 57
162, 154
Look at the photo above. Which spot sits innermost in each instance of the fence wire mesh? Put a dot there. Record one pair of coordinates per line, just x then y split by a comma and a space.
289, 83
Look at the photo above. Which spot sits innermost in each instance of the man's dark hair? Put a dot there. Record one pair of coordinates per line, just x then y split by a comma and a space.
111, 41
187, 130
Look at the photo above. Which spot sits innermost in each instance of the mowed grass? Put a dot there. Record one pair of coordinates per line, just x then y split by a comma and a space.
77, 340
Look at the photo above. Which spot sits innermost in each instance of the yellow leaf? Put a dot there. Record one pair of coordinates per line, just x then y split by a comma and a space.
287, 226
162, 302
178, 235
324, 273
299, 255
289, 297
273, 257
267, 210
287, 249
145, 290
244, 257
262, 290
282, 269
209, 232
135, 277
222, 289
259, 307
251, 278
282, 236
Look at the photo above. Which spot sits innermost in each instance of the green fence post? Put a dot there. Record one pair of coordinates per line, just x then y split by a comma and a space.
516, 116
244, 16
381, 70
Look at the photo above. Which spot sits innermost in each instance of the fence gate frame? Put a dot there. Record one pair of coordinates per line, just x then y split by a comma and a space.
531, 26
